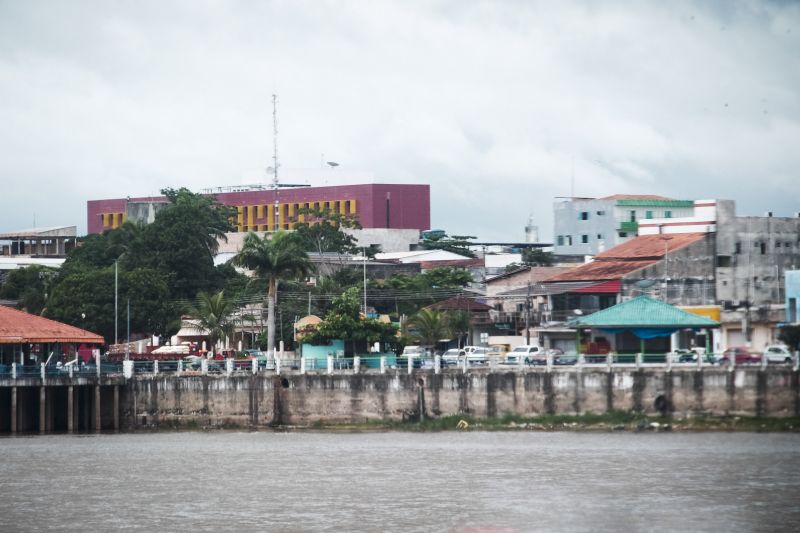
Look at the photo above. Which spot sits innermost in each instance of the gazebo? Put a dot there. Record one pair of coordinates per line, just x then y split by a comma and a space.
23, 335
644, 318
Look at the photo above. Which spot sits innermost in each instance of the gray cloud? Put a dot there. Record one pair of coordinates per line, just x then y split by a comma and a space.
495, 104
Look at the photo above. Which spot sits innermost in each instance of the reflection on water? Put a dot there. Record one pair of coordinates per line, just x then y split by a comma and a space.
401, 482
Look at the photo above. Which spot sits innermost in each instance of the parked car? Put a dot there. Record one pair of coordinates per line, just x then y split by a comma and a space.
778, 353
562, 359
498, 351
524, 353
741, 355
452, 356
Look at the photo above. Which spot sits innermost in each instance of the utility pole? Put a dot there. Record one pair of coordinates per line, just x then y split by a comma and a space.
365, 282
116, 298
528, 316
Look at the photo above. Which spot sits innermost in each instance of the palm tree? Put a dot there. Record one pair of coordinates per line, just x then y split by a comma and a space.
216, 314
280, 257
458, 322
430, 326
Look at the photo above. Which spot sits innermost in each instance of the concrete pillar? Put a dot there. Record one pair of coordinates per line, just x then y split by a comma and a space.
204, 366
638, 360
41, 371
609, 361
796, 359
330, 364
14, 370
674, 341
71, 371
127, 369
180, 367
255, 366
97, 410
383, 364
464, 364
410, 364
229, 366
155, 367
581, 360
549, 360
278, 365
116, 407
302, 365
356, 364
97, 362
42, 410
281, 348
668, 362
763, 361
70, 409
437, 364
13, 410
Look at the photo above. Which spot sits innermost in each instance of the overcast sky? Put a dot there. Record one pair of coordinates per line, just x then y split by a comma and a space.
495, 104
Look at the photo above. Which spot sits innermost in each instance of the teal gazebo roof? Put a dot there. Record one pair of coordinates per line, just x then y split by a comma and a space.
645, 317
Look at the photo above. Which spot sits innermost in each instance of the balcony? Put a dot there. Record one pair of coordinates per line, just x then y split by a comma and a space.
629, 226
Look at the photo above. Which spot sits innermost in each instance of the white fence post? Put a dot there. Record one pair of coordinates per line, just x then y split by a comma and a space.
302, 365
155, 367
97, 362
278, 365
204, 366
127, 369
465, 363
609, 360
42, 370
254, 366
796, 358
668, 362
764, 361
356, 364
383, 364
638, 361
13, 370
330, 364
71, 371
492, 364
180, 367
229, 366
410, 361
437, 364
700, 361
549, 360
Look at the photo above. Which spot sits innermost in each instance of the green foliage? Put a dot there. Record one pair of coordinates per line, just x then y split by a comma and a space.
457, 244
344, 321
429, 326
321, 231
281, 257
537, 257
216, 314
790, 335
159, 264
30, 286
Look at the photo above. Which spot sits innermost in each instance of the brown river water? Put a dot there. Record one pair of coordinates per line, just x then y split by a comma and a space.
471, 481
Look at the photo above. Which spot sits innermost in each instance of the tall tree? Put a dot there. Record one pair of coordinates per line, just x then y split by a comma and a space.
216, 314
458, 244
429, 326
275, 258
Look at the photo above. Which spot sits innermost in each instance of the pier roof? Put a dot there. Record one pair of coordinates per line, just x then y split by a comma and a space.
18, 327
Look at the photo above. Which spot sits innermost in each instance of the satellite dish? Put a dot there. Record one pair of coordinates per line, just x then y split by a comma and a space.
333, 164
577, 312
645, 283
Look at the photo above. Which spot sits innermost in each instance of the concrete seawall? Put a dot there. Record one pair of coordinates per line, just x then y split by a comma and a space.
268, 400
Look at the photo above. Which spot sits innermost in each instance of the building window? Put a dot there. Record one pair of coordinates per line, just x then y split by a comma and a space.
601, 213
667, 214
777, 244
569, 240
560, 240
738, 248
648, 214
599, 237
763, 248
584, 239
623, 234
632, 216
723, 261
584, 215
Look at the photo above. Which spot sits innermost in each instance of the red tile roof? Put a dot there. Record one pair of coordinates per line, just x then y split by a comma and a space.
462, 304
635, 197
650, 246
628, 257
19, 327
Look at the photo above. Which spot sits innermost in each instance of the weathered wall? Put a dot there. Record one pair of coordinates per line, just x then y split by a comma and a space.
260, 400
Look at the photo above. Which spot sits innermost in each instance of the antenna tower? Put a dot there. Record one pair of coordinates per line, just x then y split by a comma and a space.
275, 158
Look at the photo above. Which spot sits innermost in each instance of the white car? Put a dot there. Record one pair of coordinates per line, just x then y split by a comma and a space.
453, 355
778, 353
525, 353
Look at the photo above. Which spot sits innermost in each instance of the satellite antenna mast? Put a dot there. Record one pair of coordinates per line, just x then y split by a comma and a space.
275, 157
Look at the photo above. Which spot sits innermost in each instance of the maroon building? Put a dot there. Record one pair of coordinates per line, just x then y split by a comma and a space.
376, 206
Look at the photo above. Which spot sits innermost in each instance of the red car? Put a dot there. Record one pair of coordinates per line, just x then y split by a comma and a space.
742, 354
